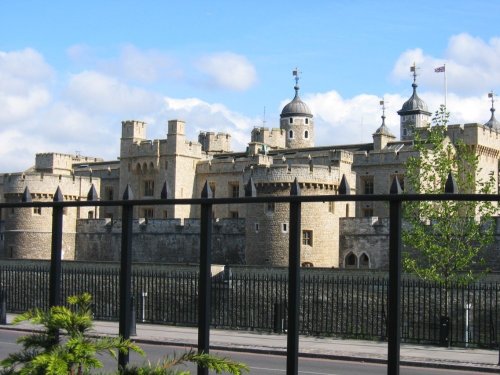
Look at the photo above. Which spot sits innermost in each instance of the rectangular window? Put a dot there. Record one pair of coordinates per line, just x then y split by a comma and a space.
270, 207
331, 207
108, 193
90, 215
148, 213
284, 227
37, 210
234, 214
235, 190
256, 226
368, 212
367, 185
149, 188
307, 237
165, 214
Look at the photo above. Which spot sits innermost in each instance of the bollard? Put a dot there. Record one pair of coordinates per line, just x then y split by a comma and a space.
133, 330
444, 331
279, 318
3, 307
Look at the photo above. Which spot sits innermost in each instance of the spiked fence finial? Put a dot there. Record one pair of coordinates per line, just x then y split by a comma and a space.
26, 197
344, 188
451, 185
92, 195
250, 190
395, 186
206, 192
164, 191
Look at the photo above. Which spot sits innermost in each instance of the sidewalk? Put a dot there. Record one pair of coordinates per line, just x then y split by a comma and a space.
479, 360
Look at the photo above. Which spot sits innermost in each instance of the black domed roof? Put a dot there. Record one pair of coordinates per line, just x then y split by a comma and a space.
414, 103
296, 107
493, 122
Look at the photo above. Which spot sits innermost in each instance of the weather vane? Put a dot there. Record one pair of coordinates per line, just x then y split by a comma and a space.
413, 69
296, 73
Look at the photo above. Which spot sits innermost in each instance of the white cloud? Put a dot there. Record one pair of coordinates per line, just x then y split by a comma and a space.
203, 116
471, 66
98, 92
340, 121
25, 85
228, 70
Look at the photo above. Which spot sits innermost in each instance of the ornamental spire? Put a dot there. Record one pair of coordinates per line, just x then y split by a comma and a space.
296, 73
493, 122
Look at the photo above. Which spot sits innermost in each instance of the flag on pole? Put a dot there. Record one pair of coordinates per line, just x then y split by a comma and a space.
440, 69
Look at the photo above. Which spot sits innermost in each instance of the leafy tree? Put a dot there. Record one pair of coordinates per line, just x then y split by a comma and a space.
445, 238
44, 354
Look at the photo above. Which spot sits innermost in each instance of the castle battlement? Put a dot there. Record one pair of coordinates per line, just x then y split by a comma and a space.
285, 173
274, 137
215, 142
44, 185
157, 226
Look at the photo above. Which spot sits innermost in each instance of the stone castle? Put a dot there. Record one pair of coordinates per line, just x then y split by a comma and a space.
334, 234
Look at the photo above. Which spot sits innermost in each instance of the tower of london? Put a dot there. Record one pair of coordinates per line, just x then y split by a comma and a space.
333, 234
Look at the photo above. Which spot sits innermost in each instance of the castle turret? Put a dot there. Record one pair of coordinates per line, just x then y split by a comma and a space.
382, 135
297, 121
414, 113
493, 123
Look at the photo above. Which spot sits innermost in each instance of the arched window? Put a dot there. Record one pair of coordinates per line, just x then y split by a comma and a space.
290, 134
144, 167
306, 134
364, 261
151, 166
307, 121
138, 168
351, 261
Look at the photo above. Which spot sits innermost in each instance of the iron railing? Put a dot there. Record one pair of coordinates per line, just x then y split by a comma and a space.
332, 302
206, 202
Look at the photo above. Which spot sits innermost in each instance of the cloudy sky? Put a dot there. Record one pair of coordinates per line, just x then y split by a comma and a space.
70, 72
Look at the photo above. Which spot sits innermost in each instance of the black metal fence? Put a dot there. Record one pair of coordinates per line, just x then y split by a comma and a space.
331, 304
297, 299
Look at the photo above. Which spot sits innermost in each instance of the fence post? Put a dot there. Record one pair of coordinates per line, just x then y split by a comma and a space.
125, 312
394, 326
56, 250
204, 282
292, 345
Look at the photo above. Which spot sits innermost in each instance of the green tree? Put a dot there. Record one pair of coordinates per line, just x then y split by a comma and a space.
445, 239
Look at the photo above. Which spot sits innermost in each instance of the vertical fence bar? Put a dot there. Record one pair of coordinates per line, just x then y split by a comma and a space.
126, 275
394, 326
204, 287
292, 348
56, 251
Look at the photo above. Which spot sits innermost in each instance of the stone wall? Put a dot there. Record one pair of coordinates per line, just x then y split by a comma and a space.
169, 241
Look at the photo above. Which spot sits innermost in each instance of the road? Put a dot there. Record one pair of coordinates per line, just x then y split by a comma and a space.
260, 364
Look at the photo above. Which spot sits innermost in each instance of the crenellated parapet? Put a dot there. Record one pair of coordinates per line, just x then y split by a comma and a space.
319, 176
274, 138
215, 142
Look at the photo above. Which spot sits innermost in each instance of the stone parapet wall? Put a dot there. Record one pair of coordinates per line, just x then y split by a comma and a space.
173, 241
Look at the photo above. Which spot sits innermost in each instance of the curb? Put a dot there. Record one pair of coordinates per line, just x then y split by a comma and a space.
245, 349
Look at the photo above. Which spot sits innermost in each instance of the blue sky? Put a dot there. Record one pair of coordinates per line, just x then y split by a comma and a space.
70, 72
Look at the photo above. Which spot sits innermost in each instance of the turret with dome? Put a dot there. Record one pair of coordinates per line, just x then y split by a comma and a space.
414, 113
493, 123
297, 121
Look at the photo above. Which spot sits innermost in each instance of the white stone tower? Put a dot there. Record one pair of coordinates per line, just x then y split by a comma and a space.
297, 121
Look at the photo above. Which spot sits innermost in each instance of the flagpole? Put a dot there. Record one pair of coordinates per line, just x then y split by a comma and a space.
445, 88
